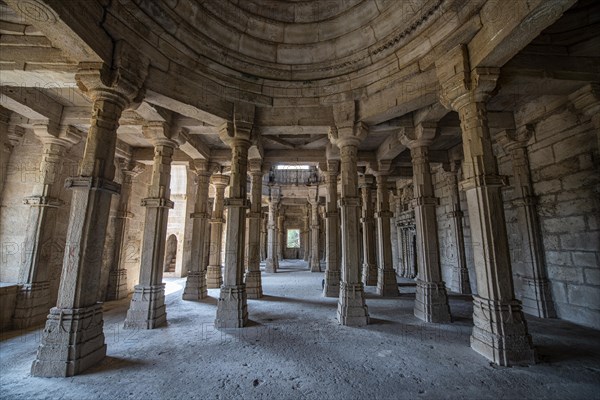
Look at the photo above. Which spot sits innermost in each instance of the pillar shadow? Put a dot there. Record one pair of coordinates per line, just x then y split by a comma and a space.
110, 363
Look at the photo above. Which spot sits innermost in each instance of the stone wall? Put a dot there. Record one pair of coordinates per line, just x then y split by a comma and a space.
448, 251
22, 173
563, 157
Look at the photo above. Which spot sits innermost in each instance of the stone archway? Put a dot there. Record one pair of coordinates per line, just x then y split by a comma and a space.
170, 254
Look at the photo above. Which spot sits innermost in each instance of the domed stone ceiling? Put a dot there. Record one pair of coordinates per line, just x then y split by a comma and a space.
296, 41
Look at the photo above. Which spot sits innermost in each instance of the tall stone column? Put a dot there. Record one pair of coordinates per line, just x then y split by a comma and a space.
431, 301
386, 277
394, 232
272, 264
369, 265
6, 144
253, 276
232, 310
332, 231
214, 276
195, 284
147, 309
33, 296
280, 235
500, 331
73, 339
352, 309
263, 237
117, 275
536, 295
306, 234
455, 218
313, 199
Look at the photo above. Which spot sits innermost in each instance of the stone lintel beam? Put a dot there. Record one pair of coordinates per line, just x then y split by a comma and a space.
33, 104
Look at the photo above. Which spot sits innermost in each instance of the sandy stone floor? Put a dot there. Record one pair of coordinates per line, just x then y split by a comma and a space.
294, 349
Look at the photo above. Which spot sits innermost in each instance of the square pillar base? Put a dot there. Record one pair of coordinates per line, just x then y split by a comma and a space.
387, 286
195, 286
253, 285
431, 302
32, 305
147, 309
500, 332
72, 341
232, 308
332, 284
352, 310
369, 274
214, 277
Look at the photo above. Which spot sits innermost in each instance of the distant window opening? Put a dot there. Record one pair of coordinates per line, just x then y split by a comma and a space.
293, 238
293, 167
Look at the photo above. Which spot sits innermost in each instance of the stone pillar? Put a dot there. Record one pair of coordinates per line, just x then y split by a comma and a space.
394, 233
431, 301
33, 296
73, 339
253, 277
232, 310
500, 331
117, 275
281, 239
272, 264
214, 277
147, 309
313, 199
352, 309
332, 230
195, 284
386, 276
536, 296
6, 144
306, 234
369, 265
455, 218
263, 237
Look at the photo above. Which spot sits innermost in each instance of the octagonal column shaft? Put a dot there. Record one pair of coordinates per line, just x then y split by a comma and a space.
232, 310
536, 295
195, 284
280, 235
455, 218
73, 339
332, 232
147, 309
32, 299
352, 309
253, 276
272, 263
386, 277
214, 276
117, 276
431, 301
369, 265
